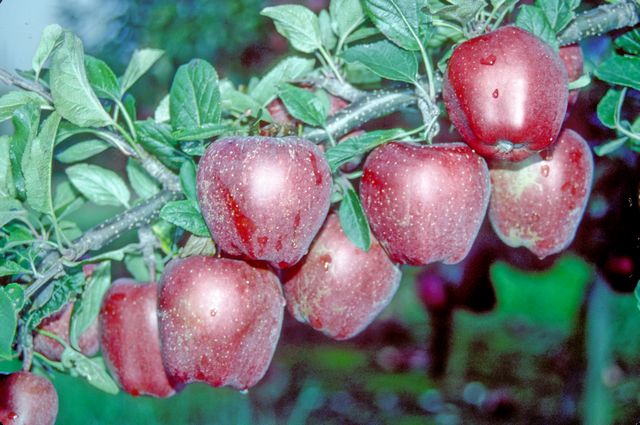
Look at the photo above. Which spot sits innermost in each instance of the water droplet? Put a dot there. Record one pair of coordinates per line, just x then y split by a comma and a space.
544, 170
12, 416
213, 313
489, 60
495, 94
535, 217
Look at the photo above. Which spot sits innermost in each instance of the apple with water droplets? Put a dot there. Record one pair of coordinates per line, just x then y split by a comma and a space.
27, 399
425, 203
338, 288
538, 203
130, 338
506, 93
220, 321
264, 198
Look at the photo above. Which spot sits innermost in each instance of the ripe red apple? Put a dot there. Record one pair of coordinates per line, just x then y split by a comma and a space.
573, 61
338, 288
538, 203
425, 203
58, 324
220, 320
264, 198
506, 93
27, 399
130, 338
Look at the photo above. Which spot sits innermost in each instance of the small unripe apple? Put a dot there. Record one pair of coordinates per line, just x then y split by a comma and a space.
27, 399
338, 288
58, 324
130, 338
425, 203
538, 203
220, 321
264, 198
506, 93
573, 61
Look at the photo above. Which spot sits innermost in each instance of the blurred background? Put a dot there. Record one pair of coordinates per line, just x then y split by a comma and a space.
502, 338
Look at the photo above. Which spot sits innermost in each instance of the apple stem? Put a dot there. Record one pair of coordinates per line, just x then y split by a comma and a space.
602, 19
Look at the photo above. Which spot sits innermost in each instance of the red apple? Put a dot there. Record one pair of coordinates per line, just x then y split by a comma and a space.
506, 93
573, 62
220, 320
538, 203
130, 338
264, 198
58, 324
425, 203
338, 288
27, 399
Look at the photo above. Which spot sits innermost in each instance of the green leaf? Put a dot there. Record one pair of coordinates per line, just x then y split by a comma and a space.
559, 13
10, 209
610, 146
533, 19
235, 101
304, 105
10, 268
608, 108
99, 185
184, 214
385, 59
15, 99
397, 20
129, 103
141, 61
25, 124
143, 184
622, 70
357, 73
65, 199
328, 37
355, 146
87, 307
101, 78
15, 292
297, 24
289, 69
636, 292
188, 180
192, 147
69, 229
50, 36
136, 265
8, 321
72, 94
353, 220
7, 188
630, 42
82, 150
347, 15
156, 139
161, 114
92, 370
37, 167
62, 291
195, 96
206, 131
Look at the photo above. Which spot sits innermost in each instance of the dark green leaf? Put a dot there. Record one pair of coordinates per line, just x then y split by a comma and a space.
622, 70
50, 36
608, 107
101, 78
353, 220
289, 69
362, 34
636, 292
188, 180
533, 19
8, 323
297, 24
92, 370
141, 61
15, 99
359, 74
385, 59
355, 146
82, 150
15, 292
156, 138
99, 185
87, 307
304, 105
72, 94
205, 131
397, 20
193, 147
10, 209
143, 184
129, 103
195, 96
36, 166
559, 13
630, 42
184, 214
62, 291
25, 124
346, 16
66, 200
10, 268
328, 37
7, 188
610, 146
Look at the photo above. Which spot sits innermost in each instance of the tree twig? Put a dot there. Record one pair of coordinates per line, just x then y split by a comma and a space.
600, 20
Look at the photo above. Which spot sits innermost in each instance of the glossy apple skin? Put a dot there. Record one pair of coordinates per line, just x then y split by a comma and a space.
573, 61
27, 399
58, 324
131, 340
506, 93
538, 203
220, 321
425, 203
264, 198
338, 288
